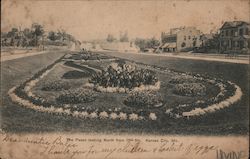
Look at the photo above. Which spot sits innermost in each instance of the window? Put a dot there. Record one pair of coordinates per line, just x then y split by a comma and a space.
236, 33
185, 38
241, 44
241, 31
222, 33
232, 32
226, 32
183, 44
235, 43
189, 37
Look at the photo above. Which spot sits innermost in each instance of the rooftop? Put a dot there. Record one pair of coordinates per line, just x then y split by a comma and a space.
233, 24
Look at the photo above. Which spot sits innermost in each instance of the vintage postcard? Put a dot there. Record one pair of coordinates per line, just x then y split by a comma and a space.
141, 79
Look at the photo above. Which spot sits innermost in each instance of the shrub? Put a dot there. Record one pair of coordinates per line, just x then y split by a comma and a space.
55, 86
146, 99
182, 79
76, 96
75, 74
123, 75
190, 89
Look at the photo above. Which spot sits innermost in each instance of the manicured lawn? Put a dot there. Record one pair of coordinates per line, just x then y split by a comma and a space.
232, 120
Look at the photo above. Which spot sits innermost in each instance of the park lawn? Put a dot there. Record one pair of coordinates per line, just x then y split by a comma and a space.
113, 101
15, 118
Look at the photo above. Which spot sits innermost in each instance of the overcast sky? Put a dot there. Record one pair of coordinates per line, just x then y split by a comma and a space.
88, 20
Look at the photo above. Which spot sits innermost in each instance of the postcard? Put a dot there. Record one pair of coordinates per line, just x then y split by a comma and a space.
125, 79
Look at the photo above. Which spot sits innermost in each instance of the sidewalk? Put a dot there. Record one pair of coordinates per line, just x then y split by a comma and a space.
19, 54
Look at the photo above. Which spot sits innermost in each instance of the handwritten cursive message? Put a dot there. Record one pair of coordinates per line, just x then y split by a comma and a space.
94, 147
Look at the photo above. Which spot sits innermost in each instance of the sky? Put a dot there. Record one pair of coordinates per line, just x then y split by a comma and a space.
94, 19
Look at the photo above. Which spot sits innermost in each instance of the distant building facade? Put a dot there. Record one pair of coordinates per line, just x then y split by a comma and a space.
234, 36
181, 39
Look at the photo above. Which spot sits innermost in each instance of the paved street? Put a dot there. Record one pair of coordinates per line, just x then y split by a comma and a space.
242, 59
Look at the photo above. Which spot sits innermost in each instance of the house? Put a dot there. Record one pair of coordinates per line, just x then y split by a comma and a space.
180, 39
234, 36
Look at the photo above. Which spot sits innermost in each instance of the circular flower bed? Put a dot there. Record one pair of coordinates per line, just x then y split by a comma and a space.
144, 100
190, 89
75, 74
76, 96
123, 75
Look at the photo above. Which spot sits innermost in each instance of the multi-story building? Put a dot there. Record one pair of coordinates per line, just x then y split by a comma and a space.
180, 39
234, 36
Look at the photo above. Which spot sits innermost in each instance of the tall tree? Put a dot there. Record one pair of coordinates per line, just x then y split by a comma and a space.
124, 37
37, 31
110, 38
12, 33
152, 43
141, 43
52, 36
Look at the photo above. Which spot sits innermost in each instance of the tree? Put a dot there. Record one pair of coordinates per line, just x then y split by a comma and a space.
12, 33
37, 31
27, 33
152, 43
147, 43
124, 37
141, 43
52, 36
61, 35
110, 38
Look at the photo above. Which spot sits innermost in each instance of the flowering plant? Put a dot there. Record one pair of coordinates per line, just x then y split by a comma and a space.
147, 99
55, 86
152, 116
123, 75
184, 78
190, 89
77, 96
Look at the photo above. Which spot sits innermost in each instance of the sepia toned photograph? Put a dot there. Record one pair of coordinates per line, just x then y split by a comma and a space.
125, 79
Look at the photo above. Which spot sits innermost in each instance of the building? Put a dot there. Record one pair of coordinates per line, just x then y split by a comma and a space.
234, 36
180, 39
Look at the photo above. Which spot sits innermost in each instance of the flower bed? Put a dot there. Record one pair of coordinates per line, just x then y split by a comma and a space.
55, 86
179, 79
142, 88
120, 75
216, 106
190, 89
87, 55
139, 102
75, 74
146, 99
76, 96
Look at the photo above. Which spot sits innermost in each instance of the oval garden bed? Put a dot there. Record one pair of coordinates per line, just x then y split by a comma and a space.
124, 90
